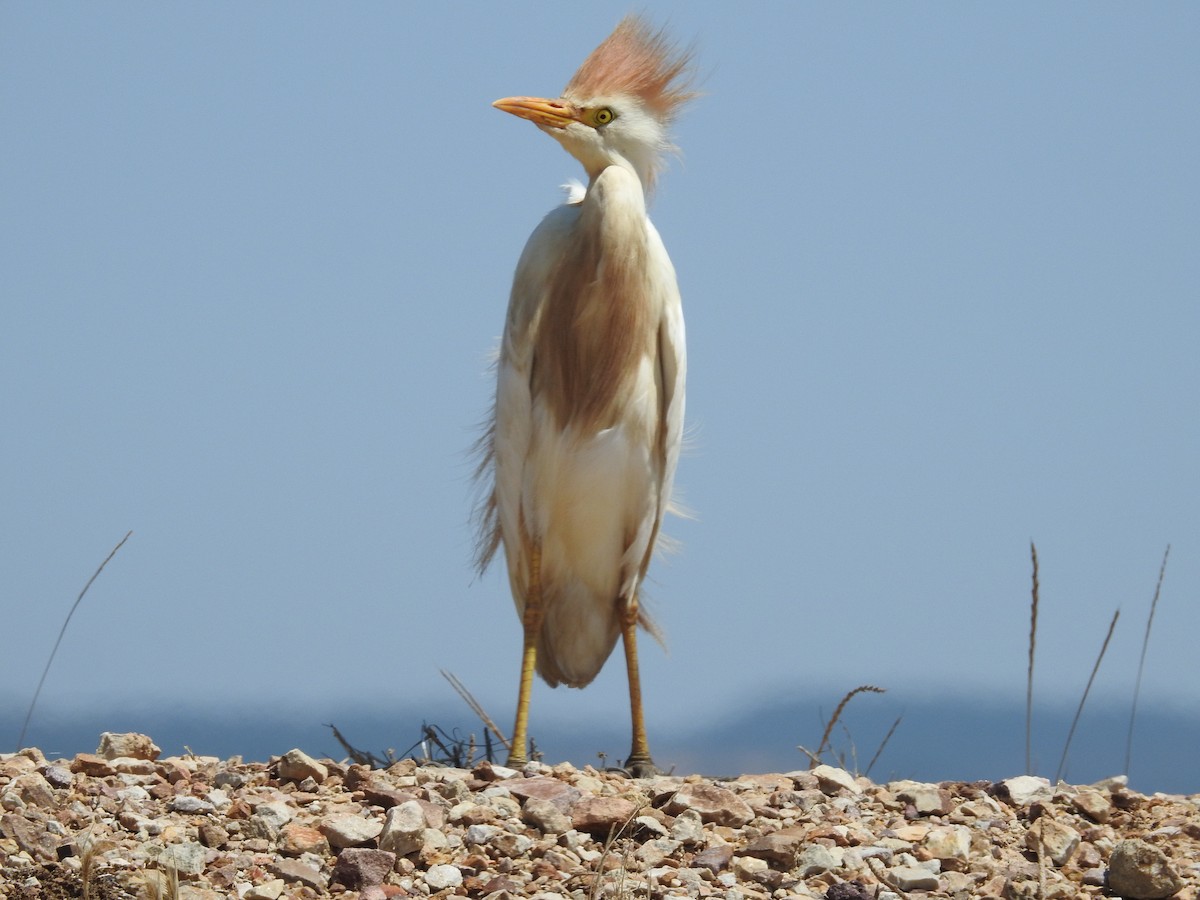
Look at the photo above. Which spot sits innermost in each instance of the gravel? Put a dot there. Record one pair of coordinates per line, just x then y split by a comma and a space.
130, 824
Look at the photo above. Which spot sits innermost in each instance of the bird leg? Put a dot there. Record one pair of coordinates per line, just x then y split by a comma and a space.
639, 764
532, 622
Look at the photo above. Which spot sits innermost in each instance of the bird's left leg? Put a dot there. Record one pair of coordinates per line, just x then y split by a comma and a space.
639, 764
532, 622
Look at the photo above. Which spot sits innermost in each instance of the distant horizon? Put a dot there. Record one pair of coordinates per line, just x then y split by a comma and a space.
938, 739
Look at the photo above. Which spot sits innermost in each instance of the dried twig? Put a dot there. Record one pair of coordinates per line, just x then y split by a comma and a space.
815, 757
67, 621
1082, 700
1137, 687
887, 737
475, 707
1033, 611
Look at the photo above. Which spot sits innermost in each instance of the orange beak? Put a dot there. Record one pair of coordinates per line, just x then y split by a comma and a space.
539, 110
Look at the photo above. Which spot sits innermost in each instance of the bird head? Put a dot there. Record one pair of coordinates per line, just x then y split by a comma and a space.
617, 109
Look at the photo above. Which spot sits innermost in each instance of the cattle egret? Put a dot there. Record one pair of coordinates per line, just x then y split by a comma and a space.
580, 453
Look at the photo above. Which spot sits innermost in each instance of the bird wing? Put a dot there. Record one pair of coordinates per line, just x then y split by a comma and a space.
505, 444
671, 375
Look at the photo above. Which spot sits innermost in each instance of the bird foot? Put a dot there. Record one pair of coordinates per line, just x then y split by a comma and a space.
516, 762
641, 767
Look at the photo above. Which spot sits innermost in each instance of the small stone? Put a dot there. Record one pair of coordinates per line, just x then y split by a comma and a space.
359, 867
212, 835
913, 878
1025, 789
831, 779
296, 870
296, 765
91, 765
443, 876
950, 842
557, 792
817, 858
296, 840
349, 830
713, 803
29, 837
268, 819
926, 799
186, 858
715, 859
654, 852
545, 815
12, 765
58, 776
1093, 804
849, 890
379, 794
508, 845
186, 803
132, 765
271, 889
31, 789
1141, 871
131, 745
1052, 838
914, 834
480, 834
490, 771
779, 847
602, 816
749, 868
403, 829
688, 828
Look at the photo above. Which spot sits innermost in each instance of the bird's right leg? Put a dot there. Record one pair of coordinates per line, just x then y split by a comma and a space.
532, 622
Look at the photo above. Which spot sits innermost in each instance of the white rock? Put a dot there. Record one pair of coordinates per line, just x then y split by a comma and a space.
268, 890
296, 765
688, 828
817, 858
443, 876
913, 878
949, 842
185, 803
350, 830
131, 745
749, 867
480, 834
186, 858
274, 814
832, 778
1055, 839
134, 795
1025, 789
403, 829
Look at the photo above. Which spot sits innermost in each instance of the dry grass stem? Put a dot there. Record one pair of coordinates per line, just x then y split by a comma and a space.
1137, 685
887, 737
61, 632
1082, 700
87, 868
613, 836
163, 884
475, 707
1033, 613
815, 757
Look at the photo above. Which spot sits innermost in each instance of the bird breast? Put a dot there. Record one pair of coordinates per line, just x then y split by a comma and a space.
600, 314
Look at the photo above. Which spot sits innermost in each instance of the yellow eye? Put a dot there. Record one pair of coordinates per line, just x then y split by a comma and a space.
603, 116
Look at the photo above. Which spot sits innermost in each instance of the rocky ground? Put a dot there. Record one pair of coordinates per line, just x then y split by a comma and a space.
124, 823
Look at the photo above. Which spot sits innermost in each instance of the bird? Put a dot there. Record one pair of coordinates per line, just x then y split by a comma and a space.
578, 459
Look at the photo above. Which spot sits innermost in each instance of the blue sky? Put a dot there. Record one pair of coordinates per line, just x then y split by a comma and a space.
940, 272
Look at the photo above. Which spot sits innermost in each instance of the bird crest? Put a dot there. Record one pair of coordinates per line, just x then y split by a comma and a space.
640, 61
